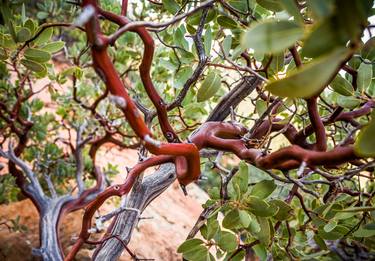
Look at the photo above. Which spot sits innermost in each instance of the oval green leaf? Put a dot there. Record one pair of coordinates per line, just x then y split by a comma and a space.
342, 86
53, 47
263, 189
298, 83
284, 212
209, 87
33, 66
364, 76
259, 207
23, 35
272, 36
44, 36
227, 22
348, 102
37, 55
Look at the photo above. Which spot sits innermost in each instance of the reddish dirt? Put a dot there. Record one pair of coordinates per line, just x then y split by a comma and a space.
157, 237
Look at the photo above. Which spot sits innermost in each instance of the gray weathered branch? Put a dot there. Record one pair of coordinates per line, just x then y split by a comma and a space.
140, 197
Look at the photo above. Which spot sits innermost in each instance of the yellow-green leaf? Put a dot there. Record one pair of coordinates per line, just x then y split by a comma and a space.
37, 55
53, 47
272, 36
299, 83
3, 54
364, 146
44, 36
364, 76
209, 87
348, 102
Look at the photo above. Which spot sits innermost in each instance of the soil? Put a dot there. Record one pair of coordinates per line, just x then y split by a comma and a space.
157, 236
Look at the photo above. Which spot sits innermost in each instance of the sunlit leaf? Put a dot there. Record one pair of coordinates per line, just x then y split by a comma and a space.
54, 46
298, 84
364, 75
364, 146
272, 36
37, 55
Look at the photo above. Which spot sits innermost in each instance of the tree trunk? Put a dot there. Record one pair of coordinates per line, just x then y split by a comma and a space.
49, 249
141, 195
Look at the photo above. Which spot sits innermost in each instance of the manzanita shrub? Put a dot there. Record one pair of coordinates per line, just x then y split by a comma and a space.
284, 86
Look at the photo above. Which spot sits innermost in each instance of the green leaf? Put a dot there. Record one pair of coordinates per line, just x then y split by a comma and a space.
3, 54
226, 22
332, 235
23, 13
320, 242
364, 145
212, 228
236, 219
171, 6
53, 46
264, 235
241, 178
364, 75
29, 24
362, 232
194, 250
227, 44
359, 209
195, 18
209, 86
272, 5
323, 39
189, 244
263, 189
261, 106
240, 5
42, 15
342, 86
33, 66
259, 207
284, 211
37, 55
227, 241
245, 218
298, 83
272, 36
6, 41
320, 8
44, 36
292, 8
368, 50
260, 252
182, 76
348, 102
330, 225
23, 34
232, 219
208, 41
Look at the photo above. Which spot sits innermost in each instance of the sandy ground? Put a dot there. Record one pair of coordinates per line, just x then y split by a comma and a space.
157, 236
